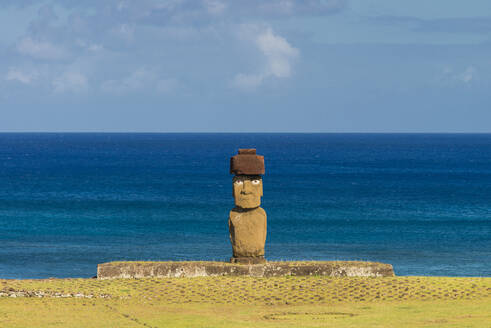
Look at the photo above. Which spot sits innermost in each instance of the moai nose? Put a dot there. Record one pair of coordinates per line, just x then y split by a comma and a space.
247, 187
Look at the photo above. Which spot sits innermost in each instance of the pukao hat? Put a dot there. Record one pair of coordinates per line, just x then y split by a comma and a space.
246, 162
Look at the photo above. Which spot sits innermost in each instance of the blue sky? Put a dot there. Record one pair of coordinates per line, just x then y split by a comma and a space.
245, 65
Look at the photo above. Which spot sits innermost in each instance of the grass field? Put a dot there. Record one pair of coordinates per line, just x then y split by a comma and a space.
247, 302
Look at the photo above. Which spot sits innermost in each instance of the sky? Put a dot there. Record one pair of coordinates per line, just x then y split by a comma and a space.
245, 66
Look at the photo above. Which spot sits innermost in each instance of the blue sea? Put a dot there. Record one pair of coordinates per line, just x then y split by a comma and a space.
421, 202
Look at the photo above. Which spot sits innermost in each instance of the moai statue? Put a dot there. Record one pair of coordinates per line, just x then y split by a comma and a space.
247, 221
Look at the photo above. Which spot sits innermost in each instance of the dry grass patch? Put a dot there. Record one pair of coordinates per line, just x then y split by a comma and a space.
71, 312
249, 290
247, 302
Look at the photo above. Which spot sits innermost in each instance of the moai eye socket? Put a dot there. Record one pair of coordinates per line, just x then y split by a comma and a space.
239, 182
255, 182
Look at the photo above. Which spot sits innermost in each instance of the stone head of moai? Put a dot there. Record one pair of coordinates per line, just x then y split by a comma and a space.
247, 221
247, 190
247, 182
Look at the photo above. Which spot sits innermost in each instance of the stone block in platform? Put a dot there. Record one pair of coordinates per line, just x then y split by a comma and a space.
114, 270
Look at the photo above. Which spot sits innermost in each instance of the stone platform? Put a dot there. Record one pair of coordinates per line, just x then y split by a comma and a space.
114, 270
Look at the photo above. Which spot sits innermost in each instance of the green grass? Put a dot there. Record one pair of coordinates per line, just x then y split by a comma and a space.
248, 302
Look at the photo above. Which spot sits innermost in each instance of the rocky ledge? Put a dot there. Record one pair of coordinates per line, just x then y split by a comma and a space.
113, 270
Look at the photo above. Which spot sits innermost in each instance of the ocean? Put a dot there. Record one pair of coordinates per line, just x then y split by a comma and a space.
68, 201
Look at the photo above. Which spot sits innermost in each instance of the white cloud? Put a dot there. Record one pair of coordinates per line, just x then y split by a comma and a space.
91, 47
215, 7
24, 77
450, 76
95, 47
140, 80
282, 7
124, 31
468, 75
97, 39
132, 82
248, 81
40, 49
70, 82
122, 5
278, 54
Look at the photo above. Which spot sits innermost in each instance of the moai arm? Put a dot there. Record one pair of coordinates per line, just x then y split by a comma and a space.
265, 223
265, 231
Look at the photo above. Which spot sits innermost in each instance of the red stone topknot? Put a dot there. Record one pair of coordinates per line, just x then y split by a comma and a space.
246, 162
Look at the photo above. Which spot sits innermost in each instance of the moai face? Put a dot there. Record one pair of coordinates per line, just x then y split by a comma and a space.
247, 191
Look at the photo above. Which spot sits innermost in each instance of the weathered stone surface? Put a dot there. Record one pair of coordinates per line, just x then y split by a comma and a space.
247, 191
270, 269
248, 260
247, 232
247, 221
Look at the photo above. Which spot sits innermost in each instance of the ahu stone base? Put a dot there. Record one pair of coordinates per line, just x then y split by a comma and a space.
114, 270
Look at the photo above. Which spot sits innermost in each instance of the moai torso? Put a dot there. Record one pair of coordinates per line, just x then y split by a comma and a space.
247, 232
247, 221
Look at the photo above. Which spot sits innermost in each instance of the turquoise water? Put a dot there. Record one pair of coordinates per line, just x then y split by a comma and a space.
421, 202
